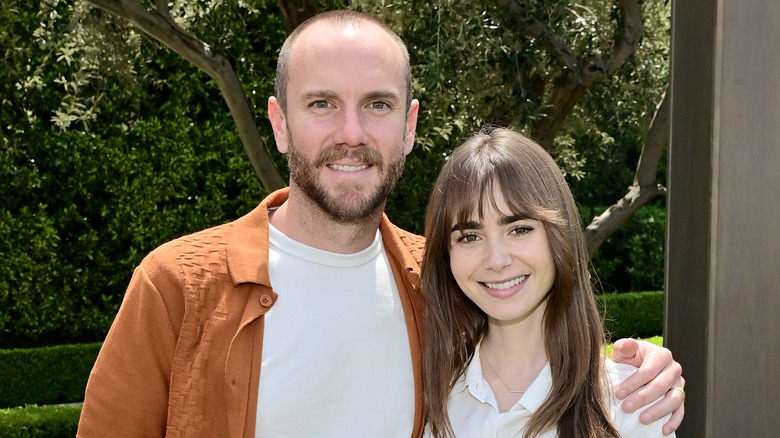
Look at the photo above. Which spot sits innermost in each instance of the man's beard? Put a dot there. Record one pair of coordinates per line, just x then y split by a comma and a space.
350, 205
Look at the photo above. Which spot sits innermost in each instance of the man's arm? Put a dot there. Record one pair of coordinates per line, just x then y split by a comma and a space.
127, 391
658, 376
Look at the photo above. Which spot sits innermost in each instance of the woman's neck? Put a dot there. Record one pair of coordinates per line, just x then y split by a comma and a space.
515, 350
512, 356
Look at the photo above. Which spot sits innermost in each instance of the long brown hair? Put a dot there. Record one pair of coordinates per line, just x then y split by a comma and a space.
532, 185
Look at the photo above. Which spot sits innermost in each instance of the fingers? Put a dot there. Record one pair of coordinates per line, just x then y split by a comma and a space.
625, 351
658, 378
655, 375
675, 421
671, 401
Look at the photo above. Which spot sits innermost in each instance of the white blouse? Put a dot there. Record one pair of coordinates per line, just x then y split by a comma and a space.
473, 409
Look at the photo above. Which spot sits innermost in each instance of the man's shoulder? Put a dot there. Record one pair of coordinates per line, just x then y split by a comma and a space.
202, 248
207, 244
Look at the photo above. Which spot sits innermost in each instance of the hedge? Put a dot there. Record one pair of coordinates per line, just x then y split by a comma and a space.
56, 421
45, 375
632, 314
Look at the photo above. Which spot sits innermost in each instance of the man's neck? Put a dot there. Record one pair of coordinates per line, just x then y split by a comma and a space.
302, 220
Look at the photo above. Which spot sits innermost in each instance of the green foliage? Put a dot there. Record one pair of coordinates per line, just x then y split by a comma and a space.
81, 207
632, 314
607, 130
633, 257
45, 375
58, 421
86, 208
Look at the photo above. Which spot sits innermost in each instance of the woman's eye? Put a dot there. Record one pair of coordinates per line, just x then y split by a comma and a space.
466, 238
522, 229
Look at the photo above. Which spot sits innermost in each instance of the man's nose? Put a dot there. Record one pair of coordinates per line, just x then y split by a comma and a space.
351, 130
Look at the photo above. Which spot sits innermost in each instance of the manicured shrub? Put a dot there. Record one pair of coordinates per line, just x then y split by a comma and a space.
633, 314
45, 375
79, 213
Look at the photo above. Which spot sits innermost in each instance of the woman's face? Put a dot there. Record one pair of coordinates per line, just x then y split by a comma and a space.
503, 263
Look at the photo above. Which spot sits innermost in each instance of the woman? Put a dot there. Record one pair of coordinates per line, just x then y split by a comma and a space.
513, 337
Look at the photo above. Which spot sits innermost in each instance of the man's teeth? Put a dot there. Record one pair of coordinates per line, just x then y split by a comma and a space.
348, 168
506, 284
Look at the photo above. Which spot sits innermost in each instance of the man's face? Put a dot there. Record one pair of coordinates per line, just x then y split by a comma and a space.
346, 130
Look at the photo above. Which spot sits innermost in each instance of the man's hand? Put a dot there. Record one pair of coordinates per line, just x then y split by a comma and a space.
658, 375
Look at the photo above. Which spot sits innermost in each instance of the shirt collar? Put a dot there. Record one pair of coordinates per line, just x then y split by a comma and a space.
247, 248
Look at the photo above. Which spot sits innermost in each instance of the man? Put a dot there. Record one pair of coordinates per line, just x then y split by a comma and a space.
204, 345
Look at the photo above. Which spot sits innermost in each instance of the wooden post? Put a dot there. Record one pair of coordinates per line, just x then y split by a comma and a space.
722, 319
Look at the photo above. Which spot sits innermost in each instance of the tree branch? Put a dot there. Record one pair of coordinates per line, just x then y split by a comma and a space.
644, 187
580, 74
162, 9
160, 26
628, 35
516, 16
655, 141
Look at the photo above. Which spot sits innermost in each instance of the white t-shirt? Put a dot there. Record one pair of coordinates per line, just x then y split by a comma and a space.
336, 360
473, 410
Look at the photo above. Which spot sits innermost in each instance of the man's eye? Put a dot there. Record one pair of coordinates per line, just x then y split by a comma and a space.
379, 105
320, 104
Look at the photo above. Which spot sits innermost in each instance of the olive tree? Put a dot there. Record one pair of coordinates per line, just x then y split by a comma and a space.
530, 65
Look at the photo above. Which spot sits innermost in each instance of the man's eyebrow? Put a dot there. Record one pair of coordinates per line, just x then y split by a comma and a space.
319, 94
370, 96
383, 95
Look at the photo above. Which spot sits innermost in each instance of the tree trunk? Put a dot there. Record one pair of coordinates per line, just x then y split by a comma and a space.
158, 24
295, 12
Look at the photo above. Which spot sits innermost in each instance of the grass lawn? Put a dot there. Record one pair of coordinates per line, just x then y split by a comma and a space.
50, 421
657, 340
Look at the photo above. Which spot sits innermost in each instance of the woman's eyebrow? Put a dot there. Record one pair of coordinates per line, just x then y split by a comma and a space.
505, 220
470, 225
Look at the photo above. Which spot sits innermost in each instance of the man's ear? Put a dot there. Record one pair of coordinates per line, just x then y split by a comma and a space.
411, 125
278, 123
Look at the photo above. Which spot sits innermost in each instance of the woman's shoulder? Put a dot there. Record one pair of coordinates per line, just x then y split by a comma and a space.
628, 424
618, 372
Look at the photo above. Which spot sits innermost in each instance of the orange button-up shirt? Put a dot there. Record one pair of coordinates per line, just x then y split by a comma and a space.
182, 358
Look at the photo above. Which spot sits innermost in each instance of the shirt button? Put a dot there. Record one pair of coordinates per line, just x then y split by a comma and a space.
266, 301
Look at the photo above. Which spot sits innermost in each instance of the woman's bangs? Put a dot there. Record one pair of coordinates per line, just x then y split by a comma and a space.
469, 192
